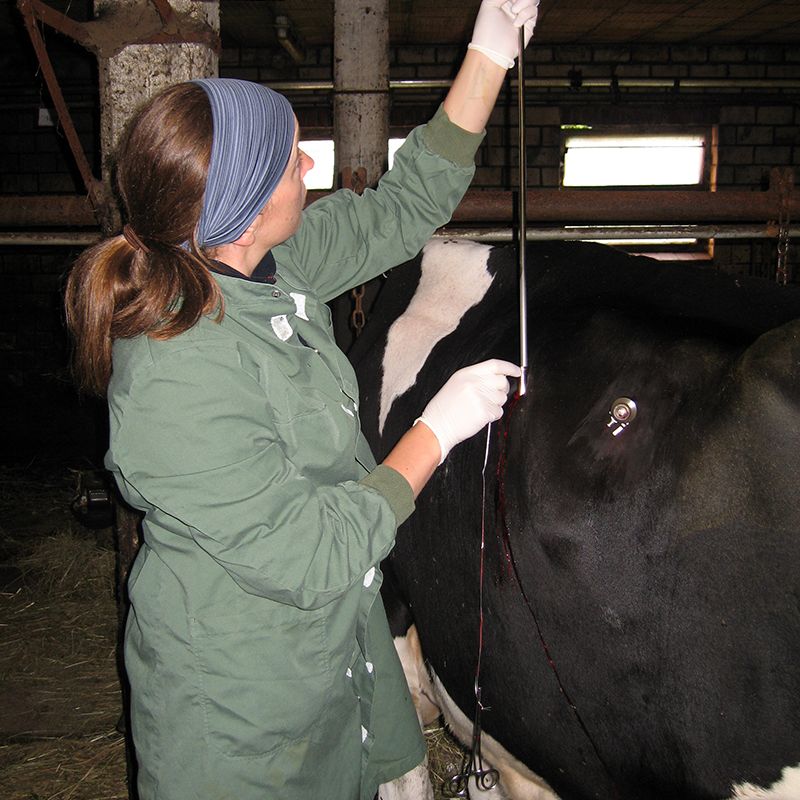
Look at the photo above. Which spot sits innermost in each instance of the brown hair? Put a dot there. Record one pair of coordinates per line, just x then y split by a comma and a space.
155, 280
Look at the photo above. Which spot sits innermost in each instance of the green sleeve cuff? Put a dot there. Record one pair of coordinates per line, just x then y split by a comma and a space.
394, 487
443, 137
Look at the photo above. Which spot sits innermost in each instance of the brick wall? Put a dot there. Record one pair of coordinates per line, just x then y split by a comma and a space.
757, 129
36, 394
42, 416
35, 157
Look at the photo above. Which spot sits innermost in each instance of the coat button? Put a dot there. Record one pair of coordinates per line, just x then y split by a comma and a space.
276, 292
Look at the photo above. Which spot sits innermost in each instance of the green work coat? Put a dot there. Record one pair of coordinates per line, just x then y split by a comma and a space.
257, 648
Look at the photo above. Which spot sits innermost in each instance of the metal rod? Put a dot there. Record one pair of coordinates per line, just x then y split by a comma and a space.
628, 207
779, 84
603, 233
167, 14
56, 20
49, 239
89, 237
489, 208
93, 188
523, 216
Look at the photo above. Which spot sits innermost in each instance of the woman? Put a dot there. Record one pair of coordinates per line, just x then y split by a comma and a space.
256, 646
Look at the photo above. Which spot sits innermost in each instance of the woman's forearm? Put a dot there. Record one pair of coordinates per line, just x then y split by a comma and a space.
474, 92
415, 456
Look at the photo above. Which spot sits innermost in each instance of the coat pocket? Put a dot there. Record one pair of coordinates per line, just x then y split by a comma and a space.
264, 677
321, 444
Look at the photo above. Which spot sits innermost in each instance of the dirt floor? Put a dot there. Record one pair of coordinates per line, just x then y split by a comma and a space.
59, 686
60, 697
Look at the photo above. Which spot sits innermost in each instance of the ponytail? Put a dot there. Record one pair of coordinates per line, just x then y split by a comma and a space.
148, 280
117, 292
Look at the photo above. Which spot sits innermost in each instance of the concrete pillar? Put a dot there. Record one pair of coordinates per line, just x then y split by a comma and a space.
139, 71
361, 86
128, 79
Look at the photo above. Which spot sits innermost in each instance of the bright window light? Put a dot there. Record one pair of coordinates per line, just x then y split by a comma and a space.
634, 160
394, 145
639, 242
321, 150
321, 175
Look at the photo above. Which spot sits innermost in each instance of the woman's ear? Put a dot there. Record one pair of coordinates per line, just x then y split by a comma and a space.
238, 254
247, 238
249, 235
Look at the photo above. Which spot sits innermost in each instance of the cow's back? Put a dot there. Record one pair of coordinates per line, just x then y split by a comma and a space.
641, 599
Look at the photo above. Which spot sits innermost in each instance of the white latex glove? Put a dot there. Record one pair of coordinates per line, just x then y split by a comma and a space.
471, 398
496, 32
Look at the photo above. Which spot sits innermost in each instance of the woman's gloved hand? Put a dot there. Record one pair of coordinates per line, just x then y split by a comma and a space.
496, 32
471, 398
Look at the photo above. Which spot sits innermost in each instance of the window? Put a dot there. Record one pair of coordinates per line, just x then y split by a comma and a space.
394, 146
673, 160
645, 160
321, 175
321, 150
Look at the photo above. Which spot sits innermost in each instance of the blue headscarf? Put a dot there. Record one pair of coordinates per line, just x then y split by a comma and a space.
252, 141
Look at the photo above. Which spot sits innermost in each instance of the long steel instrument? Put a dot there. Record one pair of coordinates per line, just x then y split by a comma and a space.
522, 212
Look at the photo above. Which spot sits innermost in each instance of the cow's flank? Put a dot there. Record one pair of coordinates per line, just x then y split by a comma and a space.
641, 594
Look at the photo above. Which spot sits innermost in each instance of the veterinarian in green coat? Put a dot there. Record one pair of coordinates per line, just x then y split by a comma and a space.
259, 657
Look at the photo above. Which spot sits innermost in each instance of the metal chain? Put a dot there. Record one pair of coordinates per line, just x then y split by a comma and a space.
782, 271
356, 180
358, 318
784, 180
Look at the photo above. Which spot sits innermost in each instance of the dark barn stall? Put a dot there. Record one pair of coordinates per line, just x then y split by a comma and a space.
726, 75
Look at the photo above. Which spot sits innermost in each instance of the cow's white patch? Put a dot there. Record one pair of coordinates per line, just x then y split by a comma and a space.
454, 279
430, 699
299, 304
787, 788
414, 785
516, 780
409, 650
281, 326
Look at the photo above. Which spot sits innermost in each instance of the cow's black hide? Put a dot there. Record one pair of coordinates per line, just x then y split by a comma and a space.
642, 639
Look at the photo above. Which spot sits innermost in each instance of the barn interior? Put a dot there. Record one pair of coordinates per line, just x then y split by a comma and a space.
724, 75
729, 74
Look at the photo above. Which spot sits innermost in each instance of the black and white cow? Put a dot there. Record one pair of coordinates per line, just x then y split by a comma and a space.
641, 634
